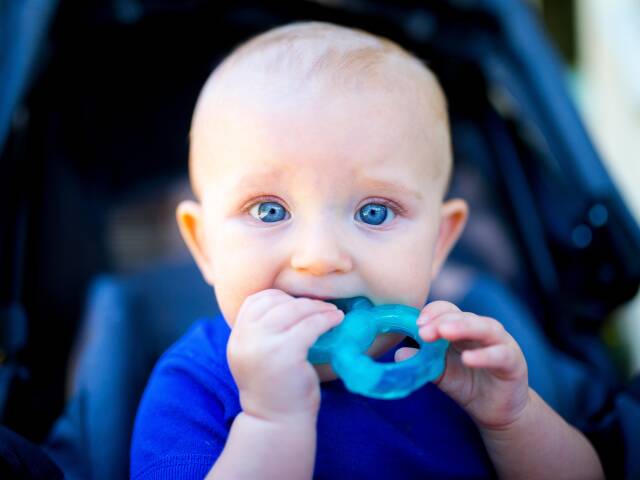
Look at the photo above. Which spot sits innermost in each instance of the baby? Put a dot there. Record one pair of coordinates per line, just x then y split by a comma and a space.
320, 156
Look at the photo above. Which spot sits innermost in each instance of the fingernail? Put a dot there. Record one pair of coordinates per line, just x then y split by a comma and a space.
423, 319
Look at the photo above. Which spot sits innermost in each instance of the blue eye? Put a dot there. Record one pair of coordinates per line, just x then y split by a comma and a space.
268, 212
374, 214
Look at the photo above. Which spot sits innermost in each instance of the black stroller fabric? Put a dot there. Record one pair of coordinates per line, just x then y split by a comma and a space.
561, 237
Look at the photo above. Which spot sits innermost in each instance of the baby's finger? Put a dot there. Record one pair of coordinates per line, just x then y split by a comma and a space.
431, 330
284, 315
307, 330
435, 309
503, 360
465, 326
404, 353
257, 304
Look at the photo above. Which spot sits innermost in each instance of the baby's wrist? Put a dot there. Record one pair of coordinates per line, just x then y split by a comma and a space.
278, 417
263, 448
518, 420
294, 424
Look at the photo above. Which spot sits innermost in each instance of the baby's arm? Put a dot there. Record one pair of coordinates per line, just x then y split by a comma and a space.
486, 374
275, 434
540, 444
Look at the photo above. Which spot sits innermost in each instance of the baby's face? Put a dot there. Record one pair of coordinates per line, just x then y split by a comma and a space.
322, 199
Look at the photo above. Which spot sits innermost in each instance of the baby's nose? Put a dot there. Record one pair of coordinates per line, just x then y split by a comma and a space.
320, 251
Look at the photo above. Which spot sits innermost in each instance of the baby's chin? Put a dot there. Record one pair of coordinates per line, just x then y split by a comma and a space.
381, 345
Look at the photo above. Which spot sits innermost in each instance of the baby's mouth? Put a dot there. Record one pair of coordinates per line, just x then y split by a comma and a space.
345, 304
352, 303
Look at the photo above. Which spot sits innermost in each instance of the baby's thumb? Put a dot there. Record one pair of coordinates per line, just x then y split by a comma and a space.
404, 353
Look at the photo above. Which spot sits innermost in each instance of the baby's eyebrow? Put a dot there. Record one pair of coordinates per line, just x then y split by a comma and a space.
272, 177
390, 187
258, 180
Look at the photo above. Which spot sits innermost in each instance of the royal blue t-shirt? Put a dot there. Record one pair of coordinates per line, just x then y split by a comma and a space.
191, 400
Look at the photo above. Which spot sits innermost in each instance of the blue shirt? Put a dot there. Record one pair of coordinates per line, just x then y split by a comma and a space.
191, 400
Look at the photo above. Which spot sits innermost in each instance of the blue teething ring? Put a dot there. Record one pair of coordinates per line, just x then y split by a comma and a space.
345, 346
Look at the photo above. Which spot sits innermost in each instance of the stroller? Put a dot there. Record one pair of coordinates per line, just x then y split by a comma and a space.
88, 128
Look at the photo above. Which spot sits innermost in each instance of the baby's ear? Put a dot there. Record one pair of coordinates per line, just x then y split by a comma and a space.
454, 215
189, 216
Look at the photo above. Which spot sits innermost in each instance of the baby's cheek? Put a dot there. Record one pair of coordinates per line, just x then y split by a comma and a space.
239, 282
405, 283
228, 303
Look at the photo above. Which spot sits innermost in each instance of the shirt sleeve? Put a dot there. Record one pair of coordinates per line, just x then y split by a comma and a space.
185, 414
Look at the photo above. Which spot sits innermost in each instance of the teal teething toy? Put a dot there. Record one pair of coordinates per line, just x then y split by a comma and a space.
344, 348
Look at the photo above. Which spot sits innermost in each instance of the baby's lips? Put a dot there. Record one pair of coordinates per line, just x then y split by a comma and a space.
352, 303
311, 296
346, 304
327, 301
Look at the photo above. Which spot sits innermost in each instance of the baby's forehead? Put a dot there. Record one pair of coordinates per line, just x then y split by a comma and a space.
292, 64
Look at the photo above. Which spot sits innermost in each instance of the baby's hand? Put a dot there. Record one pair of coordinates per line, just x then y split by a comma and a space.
486, 372
267, 353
